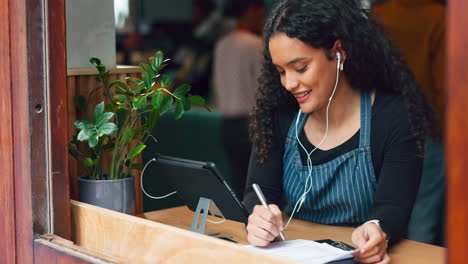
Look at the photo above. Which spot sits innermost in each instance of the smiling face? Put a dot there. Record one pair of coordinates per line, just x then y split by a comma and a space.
306, 72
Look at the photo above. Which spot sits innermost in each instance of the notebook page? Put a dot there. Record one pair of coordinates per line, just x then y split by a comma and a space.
305, 251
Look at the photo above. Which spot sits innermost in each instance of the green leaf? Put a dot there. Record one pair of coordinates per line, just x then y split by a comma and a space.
157, 99
187, 104
179, 110
75, 140
133, 80
166, 104
135, 151
88, 162
182, 90
80, 102
83, 124
84, 135
152, 63
165, 81
123, 107
162, 66
139, 87
121, 84
122, 99
128, 135
196, 100
159, 58
95, 61
122, 92
98, 112
93, 140
148, 81
122, 114
94, 90
73, 151
107, 129
104, 118
139, 102
148, 70
139, 130
151, 121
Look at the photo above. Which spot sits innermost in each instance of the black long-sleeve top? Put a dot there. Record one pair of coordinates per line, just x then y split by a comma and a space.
397, 164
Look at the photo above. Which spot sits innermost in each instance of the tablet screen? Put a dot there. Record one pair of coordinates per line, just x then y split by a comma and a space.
194, 179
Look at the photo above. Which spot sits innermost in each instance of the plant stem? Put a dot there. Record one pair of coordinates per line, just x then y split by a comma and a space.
95, 175
117, 152
132, 120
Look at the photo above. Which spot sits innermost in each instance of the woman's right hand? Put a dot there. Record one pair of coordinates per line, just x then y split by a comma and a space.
264, 225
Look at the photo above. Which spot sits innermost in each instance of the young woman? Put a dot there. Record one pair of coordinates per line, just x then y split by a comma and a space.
338, 128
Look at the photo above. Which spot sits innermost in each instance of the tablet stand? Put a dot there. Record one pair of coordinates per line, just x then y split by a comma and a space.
204, 206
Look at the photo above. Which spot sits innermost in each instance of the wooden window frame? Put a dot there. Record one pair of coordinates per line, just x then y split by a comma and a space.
33, 79
33, 76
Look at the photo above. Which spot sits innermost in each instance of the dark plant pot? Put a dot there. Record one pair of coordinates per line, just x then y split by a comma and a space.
117, 195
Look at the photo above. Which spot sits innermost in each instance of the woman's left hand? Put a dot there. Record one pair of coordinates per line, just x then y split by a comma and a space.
372, 243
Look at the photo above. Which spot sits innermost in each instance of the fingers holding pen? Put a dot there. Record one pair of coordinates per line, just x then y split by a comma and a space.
267, 219
262, 225
278, 216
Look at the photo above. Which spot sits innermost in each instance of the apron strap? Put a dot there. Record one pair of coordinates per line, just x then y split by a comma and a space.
366, 104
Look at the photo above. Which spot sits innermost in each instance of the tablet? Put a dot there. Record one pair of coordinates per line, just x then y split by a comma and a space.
194, 179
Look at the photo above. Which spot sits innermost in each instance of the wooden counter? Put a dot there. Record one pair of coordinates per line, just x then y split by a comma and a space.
130, 239
406, 251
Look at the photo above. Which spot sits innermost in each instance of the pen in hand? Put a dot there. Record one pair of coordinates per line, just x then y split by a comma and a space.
262, 199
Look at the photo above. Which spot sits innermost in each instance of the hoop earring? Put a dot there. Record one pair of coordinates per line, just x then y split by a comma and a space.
341, 66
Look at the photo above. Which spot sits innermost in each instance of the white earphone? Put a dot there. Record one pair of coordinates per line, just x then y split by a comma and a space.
308, 183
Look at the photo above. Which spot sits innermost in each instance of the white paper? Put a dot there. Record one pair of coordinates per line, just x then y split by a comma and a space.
305, 251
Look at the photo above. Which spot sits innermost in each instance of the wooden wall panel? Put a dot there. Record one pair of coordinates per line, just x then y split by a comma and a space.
82, 82
7, 195
457, 132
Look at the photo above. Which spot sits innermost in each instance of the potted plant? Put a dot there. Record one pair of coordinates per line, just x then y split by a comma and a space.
120, 127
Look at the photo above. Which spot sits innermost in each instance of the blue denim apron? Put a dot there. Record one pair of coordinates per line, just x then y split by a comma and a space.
342, 189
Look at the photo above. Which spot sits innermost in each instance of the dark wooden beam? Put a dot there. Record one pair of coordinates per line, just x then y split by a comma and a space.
457, 131
37, 114
57, 65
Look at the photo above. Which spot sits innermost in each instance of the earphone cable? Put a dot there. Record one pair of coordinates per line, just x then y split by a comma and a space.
167, 195
143, 189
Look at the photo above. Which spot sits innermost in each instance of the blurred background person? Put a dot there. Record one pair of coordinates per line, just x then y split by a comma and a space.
237, 63
417, 28
195, 57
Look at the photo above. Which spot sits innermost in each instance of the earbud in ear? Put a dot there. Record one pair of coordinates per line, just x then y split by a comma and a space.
340, 63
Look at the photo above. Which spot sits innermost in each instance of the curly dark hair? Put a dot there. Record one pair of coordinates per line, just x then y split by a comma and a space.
372, 63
